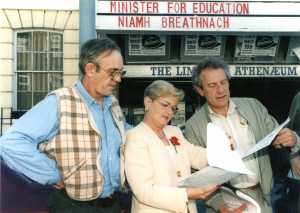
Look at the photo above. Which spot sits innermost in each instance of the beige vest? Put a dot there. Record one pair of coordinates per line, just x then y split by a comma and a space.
77, 143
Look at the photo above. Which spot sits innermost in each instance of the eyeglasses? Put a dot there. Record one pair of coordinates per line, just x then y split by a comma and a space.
165, 105
113, 74
117, 73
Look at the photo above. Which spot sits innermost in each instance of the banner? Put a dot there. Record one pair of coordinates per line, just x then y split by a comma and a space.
221, 16
185, 71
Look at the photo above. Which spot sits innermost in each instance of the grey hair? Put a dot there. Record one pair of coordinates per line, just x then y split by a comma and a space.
94, 48
209, 62
161, 88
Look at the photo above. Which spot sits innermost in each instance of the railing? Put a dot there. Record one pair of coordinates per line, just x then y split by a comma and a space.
5, 118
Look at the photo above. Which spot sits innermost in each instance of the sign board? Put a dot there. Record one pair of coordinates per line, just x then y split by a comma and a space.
185, 71
214, 16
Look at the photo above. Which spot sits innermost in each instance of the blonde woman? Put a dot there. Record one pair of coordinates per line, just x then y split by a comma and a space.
157, 157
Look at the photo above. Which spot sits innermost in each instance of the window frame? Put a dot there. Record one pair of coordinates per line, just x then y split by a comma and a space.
48, 72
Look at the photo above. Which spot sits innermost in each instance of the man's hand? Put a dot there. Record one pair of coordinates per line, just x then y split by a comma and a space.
240, 209
295, 163
285, 138
59, 185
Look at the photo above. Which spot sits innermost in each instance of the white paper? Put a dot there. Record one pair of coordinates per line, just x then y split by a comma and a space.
219, 153
212, 175
208, 176
266, 141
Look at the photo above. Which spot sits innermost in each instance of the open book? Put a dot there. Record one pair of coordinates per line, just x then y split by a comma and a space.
224, 163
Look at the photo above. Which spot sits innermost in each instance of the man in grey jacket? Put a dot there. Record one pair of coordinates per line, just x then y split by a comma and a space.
245, 120
295, 125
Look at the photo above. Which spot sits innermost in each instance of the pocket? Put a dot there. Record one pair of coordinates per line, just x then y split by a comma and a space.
73, 170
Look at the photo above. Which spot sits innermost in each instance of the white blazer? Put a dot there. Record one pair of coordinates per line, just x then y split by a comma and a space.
152, 176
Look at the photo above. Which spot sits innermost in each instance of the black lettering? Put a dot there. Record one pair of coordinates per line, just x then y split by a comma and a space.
292, 71
238, 71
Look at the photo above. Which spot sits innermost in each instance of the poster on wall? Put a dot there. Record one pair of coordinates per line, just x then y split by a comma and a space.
147, 45
138, 115
193, 47
203, 45
256, 46
179, 117
293, 53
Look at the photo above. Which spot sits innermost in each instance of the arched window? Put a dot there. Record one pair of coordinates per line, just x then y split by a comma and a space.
39, 66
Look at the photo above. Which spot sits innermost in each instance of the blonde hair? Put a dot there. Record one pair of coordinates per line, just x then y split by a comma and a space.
161, 88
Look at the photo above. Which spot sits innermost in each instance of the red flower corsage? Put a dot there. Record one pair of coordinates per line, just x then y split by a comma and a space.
174, 141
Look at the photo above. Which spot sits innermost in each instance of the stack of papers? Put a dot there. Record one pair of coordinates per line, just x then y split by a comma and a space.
224, 163
219, 153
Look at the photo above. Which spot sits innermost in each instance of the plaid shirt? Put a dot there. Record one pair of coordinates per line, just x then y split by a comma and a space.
76, 146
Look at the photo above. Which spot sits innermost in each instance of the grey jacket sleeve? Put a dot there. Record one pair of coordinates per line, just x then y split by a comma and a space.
258, 117
195, 131
295, 114
295, 118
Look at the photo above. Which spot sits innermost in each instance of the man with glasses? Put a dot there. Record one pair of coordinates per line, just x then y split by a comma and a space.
73, 139
245, 120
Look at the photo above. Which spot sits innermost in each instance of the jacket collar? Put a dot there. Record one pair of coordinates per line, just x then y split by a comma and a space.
235, 104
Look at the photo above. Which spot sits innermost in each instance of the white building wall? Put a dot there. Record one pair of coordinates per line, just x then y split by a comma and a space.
12, 20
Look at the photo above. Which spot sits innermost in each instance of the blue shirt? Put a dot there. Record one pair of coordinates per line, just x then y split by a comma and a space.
19, 150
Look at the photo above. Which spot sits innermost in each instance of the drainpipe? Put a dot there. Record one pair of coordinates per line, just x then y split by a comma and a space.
87, 20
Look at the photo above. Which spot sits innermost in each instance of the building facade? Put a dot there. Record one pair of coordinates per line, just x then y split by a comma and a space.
164, 39
39, 42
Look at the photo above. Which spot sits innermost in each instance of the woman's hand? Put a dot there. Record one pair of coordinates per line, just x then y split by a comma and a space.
240, 209
200, 193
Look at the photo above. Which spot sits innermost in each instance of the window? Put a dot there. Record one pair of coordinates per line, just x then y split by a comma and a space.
39, 67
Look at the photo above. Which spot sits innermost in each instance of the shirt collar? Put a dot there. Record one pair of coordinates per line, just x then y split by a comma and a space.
107, 101
231, 109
